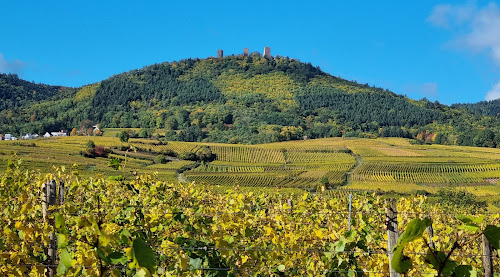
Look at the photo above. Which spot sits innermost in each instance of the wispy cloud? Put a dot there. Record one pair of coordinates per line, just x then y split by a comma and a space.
426, 89
494, 93
15, 66
447, 15
479, 29
430, 89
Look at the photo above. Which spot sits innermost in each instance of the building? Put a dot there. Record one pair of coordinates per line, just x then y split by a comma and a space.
245, 52
267, 52
1, 137
58, 134
9, 137
220, 53
47, 135
29, 136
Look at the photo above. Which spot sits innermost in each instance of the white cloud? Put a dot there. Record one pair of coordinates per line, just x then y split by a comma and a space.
479, 29
447, 15
485, 32
494, 93
430, 89
16, 66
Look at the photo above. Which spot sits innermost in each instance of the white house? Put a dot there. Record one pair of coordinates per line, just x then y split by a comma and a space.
29, 136
9, 137
58, 134
47, 135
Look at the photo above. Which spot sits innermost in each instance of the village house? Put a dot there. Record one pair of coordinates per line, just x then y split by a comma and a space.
29, 136
9, 137
58, 134
47, 135
1, 137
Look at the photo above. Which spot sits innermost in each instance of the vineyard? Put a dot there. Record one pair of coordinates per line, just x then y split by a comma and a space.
148, 227
382, 165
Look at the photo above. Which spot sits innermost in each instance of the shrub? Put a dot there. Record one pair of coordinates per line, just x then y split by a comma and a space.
161, 159
124, 136
90, 144
460, 199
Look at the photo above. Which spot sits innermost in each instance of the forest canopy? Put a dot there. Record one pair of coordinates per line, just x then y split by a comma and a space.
242, 100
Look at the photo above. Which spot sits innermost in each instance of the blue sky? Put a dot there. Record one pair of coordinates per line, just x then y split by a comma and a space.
447, 51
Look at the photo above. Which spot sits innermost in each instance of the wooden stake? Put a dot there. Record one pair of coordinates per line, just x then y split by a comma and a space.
391, 213
49, 196
350, 208
430, 231
61, 193
487, 257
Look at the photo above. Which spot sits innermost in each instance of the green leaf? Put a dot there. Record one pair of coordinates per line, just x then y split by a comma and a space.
492, 233
65, 262
117, 258
229, 239
340, 245
471, 228
463, 271
470, 222
144, 255
441, 257
103, 256
401, 263
195, 263
415, 229
141, 273
59, 221
281, 268
62, 241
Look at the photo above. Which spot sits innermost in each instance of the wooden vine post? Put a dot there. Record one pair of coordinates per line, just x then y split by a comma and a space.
290, 205
391, 214
487, 257
50, 197
430, 231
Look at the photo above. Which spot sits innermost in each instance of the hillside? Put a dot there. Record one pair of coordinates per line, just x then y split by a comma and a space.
245, 100
491, 108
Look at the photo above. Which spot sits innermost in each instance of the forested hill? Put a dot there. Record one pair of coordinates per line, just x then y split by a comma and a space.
241, 100
16, 93
491, 108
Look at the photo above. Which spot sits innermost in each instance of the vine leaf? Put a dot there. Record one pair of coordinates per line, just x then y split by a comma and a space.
492, 233
144, 255
464, 271
59, 220
117, 258
415, 230
65, 262
449, 267
195, 263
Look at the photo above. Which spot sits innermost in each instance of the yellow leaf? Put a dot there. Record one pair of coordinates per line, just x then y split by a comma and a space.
244, 259
319, 234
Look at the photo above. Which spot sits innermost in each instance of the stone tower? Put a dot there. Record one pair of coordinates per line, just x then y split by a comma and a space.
220, 53
267, 52
245, 52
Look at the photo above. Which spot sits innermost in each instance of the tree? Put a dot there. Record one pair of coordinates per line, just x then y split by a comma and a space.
205, 154
73, 132
90, 144
484, 138
124, 136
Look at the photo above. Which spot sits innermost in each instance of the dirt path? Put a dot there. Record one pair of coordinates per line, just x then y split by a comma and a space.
358, 161
181, 178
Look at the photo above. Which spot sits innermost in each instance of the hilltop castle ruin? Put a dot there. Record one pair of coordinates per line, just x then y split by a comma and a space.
267, 53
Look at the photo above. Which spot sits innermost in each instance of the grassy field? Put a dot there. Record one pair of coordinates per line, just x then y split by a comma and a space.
385, 164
